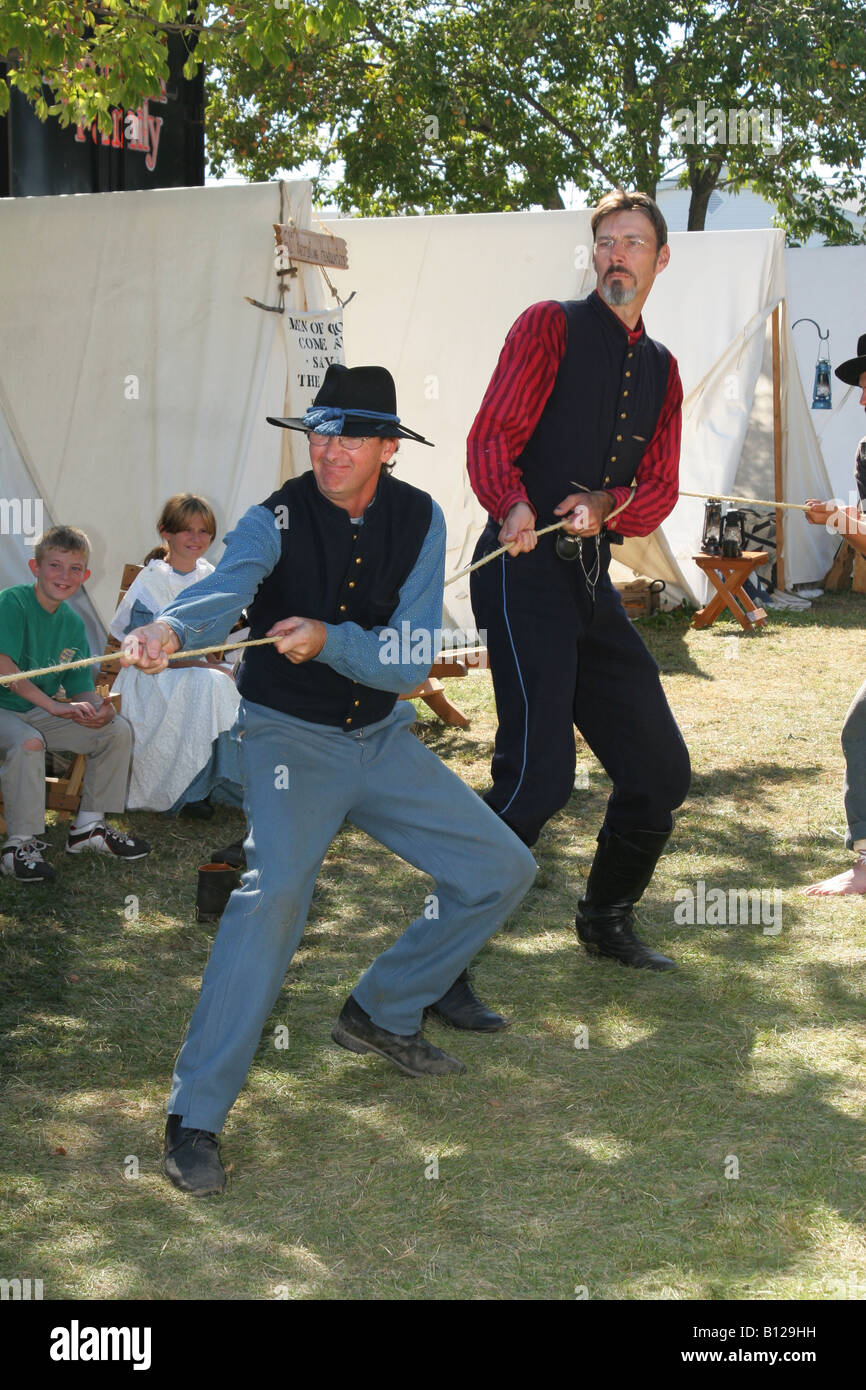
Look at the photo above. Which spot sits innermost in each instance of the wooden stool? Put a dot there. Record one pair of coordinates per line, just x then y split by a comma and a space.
432, 693
728, 577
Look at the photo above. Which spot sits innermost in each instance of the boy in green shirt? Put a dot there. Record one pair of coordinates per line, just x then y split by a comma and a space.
37, 629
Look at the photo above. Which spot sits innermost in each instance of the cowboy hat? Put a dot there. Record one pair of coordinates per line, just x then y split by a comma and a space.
354, 401
851, 371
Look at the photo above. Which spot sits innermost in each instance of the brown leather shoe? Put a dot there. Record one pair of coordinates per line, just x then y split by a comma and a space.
413, 1054
192, 1159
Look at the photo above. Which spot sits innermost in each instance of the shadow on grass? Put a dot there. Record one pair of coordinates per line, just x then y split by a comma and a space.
558, 1166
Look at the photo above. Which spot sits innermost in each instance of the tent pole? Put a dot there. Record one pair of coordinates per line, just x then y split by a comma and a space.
777, 448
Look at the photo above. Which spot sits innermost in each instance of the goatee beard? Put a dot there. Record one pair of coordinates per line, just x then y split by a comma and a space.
618, 293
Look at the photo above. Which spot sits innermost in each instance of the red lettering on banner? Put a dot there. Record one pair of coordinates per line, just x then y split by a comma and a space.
137, 129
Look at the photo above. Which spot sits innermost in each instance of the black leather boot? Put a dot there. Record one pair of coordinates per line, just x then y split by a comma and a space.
460, 1007
216, 883
232, 854
622, 868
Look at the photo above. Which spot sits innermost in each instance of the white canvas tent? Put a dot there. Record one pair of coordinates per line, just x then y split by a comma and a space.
436, 297
103, 293
132, 367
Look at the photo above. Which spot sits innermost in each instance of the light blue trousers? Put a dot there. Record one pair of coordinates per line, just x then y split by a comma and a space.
300, 782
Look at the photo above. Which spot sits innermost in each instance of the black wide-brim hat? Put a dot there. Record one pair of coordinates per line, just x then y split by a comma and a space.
851, 371
354, 401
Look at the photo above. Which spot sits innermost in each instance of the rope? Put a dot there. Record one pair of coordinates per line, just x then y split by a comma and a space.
749, 501
184, 655
557, 525
118, 656
263, 641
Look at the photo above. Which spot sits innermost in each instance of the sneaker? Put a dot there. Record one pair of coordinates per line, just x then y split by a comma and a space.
25, 862
192, 1159
104, 840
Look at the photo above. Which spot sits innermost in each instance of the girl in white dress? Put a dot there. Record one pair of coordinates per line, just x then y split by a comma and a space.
183, 751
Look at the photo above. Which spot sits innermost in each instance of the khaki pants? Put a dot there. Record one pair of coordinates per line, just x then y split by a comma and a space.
22, 771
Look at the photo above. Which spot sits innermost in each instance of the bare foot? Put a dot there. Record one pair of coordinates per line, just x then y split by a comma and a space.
853, 881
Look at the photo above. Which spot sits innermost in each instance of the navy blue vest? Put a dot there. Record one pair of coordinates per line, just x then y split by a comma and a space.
338, 572
601, 413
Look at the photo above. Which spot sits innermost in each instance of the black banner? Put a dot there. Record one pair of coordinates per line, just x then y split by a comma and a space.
159, 144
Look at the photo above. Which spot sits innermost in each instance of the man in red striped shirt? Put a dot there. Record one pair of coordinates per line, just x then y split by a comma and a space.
581, 420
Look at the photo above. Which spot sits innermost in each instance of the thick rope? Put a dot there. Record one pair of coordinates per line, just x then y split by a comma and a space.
182, 655
106, 657
557, 525
749, 501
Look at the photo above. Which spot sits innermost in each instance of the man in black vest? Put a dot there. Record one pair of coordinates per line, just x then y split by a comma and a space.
582, 421
357, 558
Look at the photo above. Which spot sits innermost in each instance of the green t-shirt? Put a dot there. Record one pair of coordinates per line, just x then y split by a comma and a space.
34, 638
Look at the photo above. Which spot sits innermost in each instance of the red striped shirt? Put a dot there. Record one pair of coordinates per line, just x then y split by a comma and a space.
512, 407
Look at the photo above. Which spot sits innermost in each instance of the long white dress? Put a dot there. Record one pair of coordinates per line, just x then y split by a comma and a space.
176, 716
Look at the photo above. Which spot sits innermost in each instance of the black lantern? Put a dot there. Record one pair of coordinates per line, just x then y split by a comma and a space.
711, 541
733, 534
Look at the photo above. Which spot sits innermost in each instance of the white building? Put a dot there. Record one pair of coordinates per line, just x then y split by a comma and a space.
727, 212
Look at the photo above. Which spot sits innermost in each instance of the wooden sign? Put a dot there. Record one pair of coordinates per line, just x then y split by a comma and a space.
313, 247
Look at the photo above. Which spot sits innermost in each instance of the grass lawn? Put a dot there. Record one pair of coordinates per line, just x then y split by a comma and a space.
706, 1142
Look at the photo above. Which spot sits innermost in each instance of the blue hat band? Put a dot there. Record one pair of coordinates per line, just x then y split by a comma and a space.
331, 419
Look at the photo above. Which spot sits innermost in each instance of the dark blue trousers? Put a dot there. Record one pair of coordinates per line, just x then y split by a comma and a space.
560, 658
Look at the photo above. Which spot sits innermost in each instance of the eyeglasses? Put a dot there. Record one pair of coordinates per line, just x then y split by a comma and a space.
628, 243
345, 441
